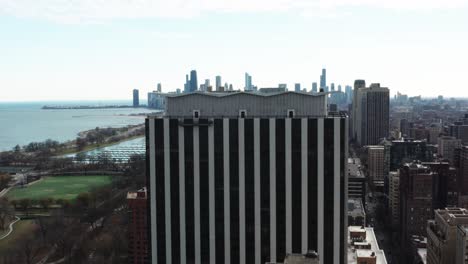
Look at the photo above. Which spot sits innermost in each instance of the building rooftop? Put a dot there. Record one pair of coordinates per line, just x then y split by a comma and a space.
452, 216
140, 194
310, 258
355, 208
354, 253
251, 104
354, 167
422, 252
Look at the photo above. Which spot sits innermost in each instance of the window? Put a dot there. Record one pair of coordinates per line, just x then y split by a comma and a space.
291, 113
242, 113
196, 113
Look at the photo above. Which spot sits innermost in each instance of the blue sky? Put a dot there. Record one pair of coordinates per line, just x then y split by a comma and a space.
73, 50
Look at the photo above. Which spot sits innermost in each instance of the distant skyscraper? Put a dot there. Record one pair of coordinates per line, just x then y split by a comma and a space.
193, 81
332, 87
187, 84
206, 85
323, 79
297, 87
136, 98
159, 89
349, 93
218, 83
248, 82
339, 88
283, 86
246, 178
314, 87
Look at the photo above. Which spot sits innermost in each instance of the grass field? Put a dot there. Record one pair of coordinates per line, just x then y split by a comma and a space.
59, 187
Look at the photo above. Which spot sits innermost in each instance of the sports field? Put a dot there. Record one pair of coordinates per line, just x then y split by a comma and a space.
59, 187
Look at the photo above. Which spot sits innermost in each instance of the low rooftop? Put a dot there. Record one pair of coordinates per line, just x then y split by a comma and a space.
354, 254
140, 194
452, 216
355, 208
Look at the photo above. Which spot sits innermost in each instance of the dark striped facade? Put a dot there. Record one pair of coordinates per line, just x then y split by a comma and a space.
246, 190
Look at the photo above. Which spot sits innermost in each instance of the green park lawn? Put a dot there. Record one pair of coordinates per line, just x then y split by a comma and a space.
59, 187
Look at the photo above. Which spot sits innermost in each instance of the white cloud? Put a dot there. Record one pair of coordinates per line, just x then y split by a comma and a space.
91, 11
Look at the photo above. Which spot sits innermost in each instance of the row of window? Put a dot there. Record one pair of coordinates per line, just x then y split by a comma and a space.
243, 113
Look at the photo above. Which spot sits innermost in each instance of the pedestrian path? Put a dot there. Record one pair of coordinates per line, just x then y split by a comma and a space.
10, 228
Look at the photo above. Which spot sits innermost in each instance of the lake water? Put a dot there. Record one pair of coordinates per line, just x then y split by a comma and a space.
22, 123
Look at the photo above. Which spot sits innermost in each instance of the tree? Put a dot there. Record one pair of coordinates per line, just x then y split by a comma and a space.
46, 202
29, 248
44, 224
80, 143
25, 204
5, 212
81, 156
4, 180
17, 148
83, 199
136, 170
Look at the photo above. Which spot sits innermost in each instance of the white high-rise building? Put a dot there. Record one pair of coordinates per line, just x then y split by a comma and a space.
247, 178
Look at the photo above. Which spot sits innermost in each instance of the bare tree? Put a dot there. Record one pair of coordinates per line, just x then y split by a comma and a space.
5, 212
25, 204
4, 180
46, 202
29, 248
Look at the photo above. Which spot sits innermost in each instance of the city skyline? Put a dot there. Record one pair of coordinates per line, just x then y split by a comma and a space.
50, 50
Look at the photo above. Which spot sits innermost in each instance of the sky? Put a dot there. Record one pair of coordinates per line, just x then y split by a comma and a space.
103, 49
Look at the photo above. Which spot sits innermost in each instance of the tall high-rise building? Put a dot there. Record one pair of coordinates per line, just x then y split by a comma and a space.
138, 227
159, 88
332, 86
218, 83
349, 94
394, 197
461, 163
339, 88
247, 178
314, 87
459, 130
323, 79
248, 82
356, 113
371, 113
297, 87
193, 81
442, 244
187, 84
406, 150
424, 187
136, 98
446, 147
415, 204
375, 162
